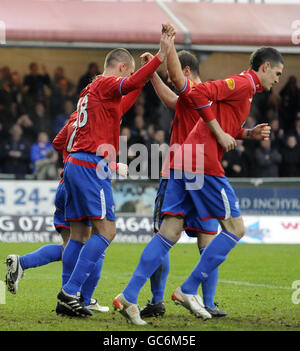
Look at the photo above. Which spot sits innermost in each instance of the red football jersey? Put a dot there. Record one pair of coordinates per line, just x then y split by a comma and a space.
185, 118
60, 142
99, 111
228, 101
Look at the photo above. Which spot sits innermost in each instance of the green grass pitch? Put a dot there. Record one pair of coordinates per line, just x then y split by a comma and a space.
255, 288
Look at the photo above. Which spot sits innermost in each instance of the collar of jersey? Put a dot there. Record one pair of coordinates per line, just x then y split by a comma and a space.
256, 82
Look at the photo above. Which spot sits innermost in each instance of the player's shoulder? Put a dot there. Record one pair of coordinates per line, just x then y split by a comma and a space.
237, 81
183, 93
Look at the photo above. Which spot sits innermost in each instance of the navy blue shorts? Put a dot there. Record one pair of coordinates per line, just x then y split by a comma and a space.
215, 198
88, 188
192, 223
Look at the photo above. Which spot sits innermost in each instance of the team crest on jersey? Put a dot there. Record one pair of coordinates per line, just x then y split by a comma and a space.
230, 82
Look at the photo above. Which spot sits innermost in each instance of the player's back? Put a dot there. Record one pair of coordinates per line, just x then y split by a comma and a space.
98, 116
230, 102
185, 116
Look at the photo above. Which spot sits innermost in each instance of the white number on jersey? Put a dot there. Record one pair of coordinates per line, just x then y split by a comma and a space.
81, 121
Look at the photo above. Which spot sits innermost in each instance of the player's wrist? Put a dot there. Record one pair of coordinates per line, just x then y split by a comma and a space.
161, 56
249, 133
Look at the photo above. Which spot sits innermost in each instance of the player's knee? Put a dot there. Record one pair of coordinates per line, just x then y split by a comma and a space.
235, 226
240, 230
172, 228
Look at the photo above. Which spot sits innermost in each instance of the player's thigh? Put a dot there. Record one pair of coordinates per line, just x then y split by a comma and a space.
204, 239
65, 235
105, 227
234, 225
80, 231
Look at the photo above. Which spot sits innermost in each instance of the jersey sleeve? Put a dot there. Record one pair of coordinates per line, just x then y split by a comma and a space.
60, 140
129, 99
231, 89
239, 135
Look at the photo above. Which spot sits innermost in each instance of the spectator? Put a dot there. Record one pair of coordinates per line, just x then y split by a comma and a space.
5, 113
17, 95
235, 161
5, 77
41, 119
34, 84
61, 119
250, 122
277, 135
47, 167
60, 94
15, 154
297, 128
40, 148
250, 147
290, 166
290, 102
86, 79
58, 74
267, 160
27, 126
138, 131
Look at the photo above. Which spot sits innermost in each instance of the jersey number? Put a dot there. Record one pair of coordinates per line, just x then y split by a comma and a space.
81, 120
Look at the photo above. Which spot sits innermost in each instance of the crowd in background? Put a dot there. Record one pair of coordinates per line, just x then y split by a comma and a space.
33, 109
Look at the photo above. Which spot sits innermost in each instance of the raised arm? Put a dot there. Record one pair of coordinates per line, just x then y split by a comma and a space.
175, 70
141, 76
166, 95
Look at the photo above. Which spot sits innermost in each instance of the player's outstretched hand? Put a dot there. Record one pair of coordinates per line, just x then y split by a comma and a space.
261, 132
122, 170
226, 141
166, 39
145, 58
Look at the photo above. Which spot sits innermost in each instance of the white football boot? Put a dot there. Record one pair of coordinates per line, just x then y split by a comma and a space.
191, 302
129, 310
95, 307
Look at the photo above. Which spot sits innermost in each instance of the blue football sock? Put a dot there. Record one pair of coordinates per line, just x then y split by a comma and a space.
69, 258
44, 255
86, 263
209, 287
150, 260
159, 279
90, 284
214, 254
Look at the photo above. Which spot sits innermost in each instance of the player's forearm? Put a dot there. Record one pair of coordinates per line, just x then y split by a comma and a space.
174, 69
167, 96
140, 77
129, 99
215, 128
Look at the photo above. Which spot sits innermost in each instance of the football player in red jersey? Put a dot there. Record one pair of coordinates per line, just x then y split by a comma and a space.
93, 147
183, 74
226, 104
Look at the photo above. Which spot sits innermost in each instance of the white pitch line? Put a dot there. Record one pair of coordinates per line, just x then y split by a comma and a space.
256, 285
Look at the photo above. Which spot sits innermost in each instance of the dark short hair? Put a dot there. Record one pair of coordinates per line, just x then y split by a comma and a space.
117, 55
186, 58
265, 54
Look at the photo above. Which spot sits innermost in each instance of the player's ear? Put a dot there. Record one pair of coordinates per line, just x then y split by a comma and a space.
122, 67
266, 66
